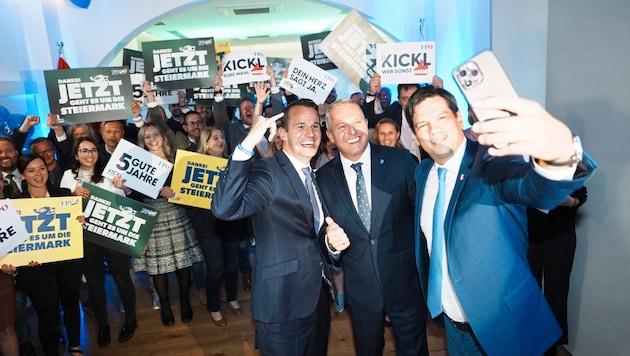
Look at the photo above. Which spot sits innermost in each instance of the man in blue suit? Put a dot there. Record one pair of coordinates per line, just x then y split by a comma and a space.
370, 190
290, 300
478, 281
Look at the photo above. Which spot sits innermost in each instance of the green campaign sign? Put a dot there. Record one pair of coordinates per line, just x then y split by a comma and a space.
89, 94
117, 222
180, 64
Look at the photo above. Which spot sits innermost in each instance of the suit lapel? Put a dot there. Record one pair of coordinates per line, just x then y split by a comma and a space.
421, 175
379, 199
303, 200
343, 191
460, 181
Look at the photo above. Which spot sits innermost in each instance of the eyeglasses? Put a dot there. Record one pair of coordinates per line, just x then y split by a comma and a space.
87, 151
153, 135
45, 152
194, 123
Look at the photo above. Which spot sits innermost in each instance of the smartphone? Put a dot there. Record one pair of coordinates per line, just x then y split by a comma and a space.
481, 77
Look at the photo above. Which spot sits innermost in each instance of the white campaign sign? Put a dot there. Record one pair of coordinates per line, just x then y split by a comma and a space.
405, 62
142, 170
12, 229
162, 97
244, 67
307, 80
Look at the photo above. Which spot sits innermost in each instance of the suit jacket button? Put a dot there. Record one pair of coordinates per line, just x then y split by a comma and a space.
372, 241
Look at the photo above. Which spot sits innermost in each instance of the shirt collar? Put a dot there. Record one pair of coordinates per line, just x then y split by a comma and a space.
453, 164
296, 163
365, 157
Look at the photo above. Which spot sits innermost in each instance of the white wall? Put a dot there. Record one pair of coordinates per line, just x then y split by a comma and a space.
587, 87
519, 39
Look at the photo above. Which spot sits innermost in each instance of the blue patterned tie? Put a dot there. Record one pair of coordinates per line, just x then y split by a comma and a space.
363, 203
308, 183
434, 298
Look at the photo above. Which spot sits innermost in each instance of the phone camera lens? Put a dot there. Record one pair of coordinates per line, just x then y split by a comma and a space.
474, 72
468, 83
462, 73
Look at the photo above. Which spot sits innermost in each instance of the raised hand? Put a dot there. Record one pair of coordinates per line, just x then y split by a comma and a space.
532, 131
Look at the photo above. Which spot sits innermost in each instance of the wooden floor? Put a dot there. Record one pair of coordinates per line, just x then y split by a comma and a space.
201, 336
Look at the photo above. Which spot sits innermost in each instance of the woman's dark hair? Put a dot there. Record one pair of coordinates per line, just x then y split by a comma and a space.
99, 167
24, 161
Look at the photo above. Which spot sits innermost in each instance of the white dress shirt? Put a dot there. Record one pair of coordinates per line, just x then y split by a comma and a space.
16, 178
450, 303
298, 165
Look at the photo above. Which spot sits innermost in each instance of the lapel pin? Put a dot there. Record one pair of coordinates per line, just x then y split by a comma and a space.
461, 176
382, 161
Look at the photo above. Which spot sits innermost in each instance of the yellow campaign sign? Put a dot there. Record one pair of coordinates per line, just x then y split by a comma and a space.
54, 233
221, 48
195, 177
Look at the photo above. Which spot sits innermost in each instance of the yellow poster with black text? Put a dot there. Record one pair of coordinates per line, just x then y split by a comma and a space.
54, 233
195, 177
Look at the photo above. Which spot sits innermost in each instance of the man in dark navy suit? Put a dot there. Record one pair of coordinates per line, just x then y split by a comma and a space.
370, 191
290, 300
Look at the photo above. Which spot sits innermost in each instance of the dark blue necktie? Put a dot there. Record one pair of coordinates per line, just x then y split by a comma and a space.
363, 203
434, 298
308, 183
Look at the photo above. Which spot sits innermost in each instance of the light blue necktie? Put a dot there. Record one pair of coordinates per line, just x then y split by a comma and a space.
363, 203
434, 298
308, 183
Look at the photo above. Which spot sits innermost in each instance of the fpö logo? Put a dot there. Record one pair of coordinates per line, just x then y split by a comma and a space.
69, 202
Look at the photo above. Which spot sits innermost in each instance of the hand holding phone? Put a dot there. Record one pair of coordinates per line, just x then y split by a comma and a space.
483, 77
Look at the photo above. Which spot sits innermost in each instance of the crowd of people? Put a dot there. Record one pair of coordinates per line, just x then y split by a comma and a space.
387, 209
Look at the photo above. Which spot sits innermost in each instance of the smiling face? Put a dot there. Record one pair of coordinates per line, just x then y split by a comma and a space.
437, 128
87, 155
206, 113
193, 125
387, 134
302, 133
215, 145
8, 156
153, 139
35, 173
347, 129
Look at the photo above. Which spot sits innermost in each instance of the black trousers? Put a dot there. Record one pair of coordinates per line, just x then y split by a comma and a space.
48, 285
93, 269
409, 327
308, 336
